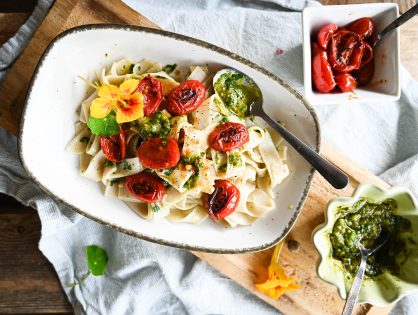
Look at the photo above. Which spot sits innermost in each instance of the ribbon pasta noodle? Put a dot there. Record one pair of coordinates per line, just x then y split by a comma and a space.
255, 168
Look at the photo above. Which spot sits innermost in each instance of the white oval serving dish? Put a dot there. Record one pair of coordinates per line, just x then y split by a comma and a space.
50, 113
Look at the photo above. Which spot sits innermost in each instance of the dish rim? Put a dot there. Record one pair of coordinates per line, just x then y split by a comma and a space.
196, 42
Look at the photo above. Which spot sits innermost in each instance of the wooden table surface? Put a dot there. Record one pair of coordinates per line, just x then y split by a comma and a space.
28, 282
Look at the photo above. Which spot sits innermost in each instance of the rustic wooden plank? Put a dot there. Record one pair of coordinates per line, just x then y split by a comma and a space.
404, 5
28, 282
10, 23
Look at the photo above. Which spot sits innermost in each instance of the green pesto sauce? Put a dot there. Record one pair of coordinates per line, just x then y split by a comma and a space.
235, 160
364, 221
197, 163
236, 93
156, 125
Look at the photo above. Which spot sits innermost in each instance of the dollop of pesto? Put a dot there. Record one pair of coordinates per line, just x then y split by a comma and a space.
236, 92
157, 125
362, 223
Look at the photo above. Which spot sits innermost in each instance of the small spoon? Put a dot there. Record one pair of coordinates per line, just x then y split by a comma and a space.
358, 280
396, 23
337, 178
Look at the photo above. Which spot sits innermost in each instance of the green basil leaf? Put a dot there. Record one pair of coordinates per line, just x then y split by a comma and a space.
105, 127
96, 259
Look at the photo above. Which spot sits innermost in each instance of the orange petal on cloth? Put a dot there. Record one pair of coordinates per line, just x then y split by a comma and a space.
129, 86
101, 107
278, 282
132, 109
108, 91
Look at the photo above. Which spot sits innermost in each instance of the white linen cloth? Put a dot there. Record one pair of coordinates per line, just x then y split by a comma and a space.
145, 278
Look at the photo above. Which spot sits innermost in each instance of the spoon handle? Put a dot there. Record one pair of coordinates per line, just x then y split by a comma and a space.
337, 178
355, 287
399, 21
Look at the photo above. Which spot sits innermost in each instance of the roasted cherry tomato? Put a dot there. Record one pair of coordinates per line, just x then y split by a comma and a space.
365, 74
345, 51
322, 76
223, 201
315, 49
228, 137
345, 82
159, 153
364, 27
114, 147
325, 33
186, 97
367, 55
152, 91
145, 187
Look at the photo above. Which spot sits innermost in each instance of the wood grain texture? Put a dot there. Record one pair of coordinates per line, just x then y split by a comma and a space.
316, 297
10, 23
28, 282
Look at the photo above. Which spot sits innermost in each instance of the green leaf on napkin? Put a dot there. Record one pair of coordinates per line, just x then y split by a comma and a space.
96, 259
105, 127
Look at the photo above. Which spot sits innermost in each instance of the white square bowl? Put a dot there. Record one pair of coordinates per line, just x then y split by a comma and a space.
385, 84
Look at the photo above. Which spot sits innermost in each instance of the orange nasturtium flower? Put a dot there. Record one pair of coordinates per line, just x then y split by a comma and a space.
128, 104
278, 282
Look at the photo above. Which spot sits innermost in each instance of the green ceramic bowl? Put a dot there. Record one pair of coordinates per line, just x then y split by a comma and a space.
387, 288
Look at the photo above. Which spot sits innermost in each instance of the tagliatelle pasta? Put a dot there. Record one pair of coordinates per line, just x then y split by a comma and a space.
113, 116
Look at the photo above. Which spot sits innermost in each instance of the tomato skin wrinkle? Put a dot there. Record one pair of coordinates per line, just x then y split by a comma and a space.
365, 74
186, 98
152, 91
346, 82
325, 33
145, 187
364, 27
367, 55
114, 147
322, 75
159, 153
345, 51
223, 201
228, 137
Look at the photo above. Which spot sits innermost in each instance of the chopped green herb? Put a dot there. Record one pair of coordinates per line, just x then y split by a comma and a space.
191, 182
235, 159
222, 168
114, 182
164, 141
85, 139
126, 166
168, 172
155, 208
108, 163
224, 120
160, 77
169, 68
106, 54
157, 125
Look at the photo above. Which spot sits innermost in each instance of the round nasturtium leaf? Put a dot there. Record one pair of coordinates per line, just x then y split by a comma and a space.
96, 259
105, 127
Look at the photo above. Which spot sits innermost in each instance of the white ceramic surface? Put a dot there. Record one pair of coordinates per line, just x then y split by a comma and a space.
49, 117
385, 85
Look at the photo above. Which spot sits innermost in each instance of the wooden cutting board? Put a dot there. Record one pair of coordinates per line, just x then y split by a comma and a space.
316, 296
